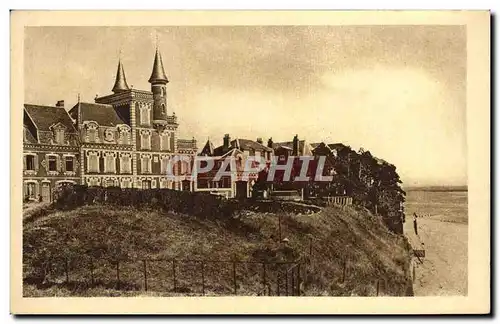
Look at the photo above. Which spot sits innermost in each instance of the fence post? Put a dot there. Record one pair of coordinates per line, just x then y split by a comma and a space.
91, 271
234, 276
117, 274
310, 247
286, 282
378, 286
278, 284
298, 279
345, 270
145, 275
279, 227
173, 275
203, 278
264, 279
293, 282
66, 268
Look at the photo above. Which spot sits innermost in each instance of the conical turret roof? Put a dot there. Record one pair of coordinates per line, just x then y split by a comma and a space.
121, 81
158, 74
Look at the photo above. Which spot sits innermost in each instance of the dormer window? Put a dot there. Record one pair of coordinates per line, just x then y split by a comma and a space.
59, 136
123, 134
58, 133
92, 133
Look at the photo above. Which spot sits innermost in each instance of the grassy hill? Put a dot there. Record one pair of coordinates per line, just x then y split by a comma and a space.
344, 252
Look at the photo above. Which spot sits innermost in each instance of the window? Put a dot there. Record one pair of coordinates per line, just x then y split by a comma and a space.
146, 164
92, 135
30, 162
93, 162
146, 184
165, 184
126, 183
145, 140
163, 111
124, 136
109, 162
164, 141
69, 164
59, 135
164, 164
144, 113
52, 163
93, 182
30, 190
226, 182
125, 164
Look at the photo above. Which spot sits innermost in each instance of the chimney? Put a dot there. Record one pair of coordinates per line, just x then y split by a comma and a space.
60, 103
259, 140
270, 142
295, 145
227, 141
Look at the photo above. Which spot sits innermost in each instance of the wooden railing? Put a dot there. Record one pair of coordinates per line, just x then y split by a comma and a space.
339, 200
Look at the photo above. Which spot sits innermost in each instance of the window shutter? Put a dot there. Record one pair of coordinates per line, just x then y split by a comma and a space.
153, 183
35, 161
24, 162
63, 164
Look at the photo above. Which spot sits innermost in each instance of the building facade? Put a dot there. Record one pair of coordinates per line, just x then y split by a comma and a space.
126, 139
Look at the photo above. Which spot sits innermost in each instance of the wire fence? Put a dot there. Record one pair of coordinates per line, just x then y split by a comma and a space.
175, 276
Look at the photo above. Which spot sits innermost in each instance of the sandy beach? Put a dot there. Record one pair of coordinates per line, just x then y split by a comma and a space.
444, 268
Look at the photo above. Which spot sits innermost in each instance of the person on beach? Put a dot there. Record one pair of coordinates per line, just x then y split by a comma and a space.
415, 223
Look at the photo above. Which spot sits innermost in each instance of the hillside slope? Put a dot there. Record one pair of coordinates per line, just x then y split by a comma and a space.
344, 252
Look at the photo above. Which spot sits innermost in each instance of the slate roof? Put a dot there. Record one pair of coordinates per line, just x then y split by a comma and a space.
303, 147
158, 73
28, 137
104, 115
334, 146
243, 145
246, 144
45, 116
208, 149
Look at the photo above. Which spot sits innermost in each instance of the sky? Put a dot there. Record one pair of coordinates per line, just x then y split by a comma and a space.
397, 91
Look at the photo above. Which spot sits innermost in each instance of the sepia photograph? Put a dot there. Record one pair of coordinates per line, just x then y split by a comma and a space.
248, 160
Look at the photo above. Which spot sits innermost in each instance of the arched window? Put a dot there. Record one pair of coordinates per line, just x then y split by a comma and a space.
163, 109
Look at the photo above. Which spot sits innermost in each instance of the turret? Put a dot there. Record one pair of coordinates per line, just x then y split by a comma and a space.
120, 82
159, 82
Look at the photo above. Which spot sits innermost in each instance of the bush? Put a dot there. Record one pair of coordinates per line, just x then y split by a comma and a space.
194, 203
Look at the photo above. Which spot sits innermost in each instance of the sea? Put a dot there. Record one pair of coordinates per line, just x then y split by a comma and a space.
445, 206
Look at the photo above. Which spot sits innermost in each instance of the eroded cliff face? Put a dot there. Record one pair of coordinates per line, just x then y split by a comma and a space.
341, 252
